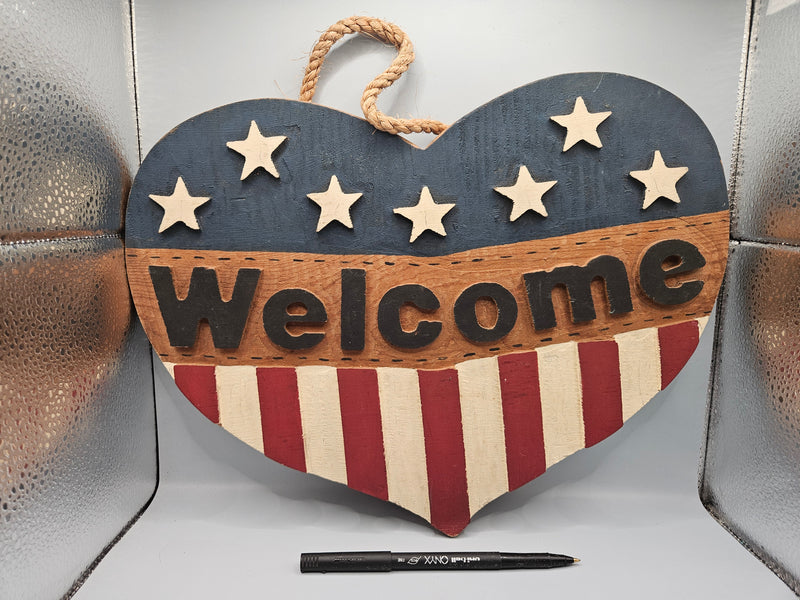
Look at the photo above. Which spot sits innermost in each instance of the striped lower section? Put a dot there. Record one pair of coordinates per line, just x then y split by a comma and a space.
443, 443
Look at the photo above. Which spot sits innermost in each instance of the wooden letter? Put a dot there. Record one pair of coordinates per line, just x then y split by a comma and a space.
276, 317
653, 275
467, 319
578, 283
389, 324
204, 303
354, 300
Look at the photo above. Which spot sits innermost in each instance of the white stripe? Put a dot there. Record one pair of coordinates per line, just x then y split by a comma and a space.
239, 408
701, 325
639, 368
170, 368
484, 431
404, 440
562, 402
321, 415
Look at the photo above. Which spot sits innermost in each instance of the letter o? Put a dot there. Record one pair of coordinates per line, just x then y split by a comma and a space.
467, 319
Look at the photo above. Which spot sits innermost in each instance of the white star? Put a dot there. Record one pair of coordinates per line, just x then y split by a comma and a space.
526, 194
425, 215
659, 180
179, 207
257, 151
581, 125
334, 204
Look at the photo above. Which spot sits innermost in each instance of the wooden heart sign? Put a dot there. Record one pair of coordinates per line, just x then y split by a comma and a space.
434, 327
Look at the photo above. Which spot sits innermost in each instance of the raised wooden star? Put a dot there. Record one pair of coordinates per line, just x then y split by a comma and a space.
526, 194
659, 180
425, 215
179, 207
334, 204
581, 125
257, 151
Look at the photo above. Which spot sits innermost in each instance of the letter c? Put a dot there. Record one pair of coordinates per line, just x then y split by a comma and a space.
389, 324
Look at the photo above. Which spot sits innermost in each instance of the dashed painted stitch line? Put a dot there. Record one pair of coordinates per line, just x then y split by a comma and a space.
134, 254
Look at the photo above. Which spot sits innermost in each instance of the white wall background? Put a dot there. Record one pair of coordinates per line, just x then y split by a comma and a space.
228, 522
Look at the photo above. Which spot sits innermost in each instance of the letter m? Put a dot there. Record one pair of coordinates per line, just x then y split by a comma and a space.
578, 283
203, 302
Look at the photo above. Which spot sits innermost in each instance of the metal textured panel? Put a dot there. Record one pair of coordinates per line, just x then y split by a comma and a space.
765, 189
752, 475
67, 125
77, 425
77, 439
750, 480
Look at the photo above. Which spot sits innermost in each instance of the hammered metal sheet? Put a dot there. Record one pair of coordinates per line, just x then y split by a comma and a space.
766, 174
77, 423
750, 479
752, 472
67, 125
77, 442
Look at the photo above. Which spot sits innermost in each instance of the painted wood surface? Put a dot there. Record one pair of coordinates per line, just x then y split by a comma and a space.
432, 327
447, 277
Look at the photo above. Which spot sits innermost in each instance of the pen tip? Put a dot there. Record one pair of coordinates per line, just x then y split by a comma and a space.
577, 560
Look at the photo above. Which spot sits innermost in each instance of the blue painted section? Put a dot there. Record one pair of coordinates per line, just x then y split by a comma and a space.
476, 154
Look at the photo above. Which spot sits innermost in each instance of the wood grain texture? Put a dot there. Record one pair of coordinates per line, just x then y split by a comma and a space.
447, 277
484, 431
404, 440
562, 409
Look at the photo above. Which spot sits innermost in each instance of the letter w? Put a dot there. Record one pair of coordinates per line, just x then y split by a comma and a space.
203, 302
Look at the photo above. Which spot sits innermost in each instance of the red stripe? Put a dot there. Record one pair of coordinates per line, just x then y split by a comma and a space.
601, 389
444, 450
677, 344
362, 430
522, 417
199, 385
281, 426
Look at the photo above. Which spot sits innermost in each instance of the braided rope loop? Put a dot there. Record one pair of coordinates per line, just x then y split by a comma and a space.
390, 34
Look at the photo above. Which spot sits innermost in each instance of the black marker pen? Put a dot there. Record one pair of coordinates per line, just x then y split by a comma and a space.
325, 562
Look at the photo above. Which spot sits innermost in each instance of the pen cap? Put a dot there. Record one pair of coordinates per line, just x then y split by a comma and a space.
345, 561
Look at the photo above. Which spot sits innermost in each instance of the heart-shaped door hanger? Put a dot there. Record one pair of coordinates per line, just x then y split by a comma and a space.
434, 327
